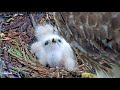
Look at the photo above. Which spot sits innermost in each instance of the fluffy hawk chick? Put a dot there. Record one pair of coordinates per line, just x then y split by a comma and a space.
54, 51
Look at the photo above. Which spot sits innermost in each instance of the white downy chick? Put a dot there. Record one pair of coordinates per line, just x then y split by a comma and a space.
43, 30
54, 51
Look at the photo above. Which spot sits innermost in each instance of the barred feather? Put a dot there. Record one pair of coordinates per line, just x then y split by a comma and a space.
97, 34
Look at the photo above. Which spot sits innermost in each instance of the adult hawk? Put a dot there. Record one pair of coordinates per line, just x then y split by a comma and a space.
95, 37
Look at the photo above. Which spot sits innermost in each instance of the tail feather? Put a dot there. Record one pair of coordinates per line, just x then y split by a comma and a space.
115, 72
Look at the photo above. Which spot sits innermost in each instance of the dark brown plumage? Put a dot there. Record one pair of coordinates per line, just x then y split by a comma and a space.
97, 36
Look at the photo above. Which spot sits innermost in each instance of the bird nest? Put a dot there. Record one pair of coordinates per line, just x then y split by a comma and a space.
16, 59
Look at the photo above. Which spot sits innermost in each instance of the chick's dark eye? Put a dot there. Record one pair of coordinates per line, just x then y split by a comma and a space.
46, 43
59, 40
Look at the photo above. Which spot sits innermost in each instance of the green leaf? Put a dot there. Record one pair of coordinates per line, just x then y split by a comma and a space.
15, 52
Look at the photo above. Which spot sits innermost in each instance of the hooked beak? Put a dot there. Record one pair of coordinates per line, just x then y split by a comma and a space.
53, 40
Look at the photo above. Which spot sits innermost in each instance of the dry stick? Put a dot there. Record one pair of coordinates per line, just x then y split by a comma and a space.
33, 21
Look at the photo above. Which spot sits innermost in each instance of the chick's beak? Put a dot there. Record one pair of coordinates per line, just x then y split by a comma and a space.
53, 40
